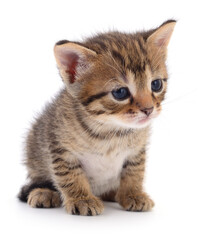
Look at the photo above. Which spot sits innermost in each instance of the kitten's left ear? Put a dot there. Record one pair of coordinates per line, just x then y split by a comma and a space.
72, 59
161, 36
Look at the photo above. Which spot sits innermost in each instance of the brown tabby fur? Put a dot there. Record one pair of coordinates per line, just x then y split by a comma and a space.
79, 124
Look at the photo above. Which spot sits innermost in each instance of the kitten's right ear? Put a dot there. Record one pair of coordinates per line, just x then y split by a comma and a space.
160, 37
72, 60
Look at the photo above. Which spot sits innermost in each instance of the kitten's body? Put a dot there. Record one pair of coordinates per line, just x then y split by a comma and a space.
87, 144
101, 157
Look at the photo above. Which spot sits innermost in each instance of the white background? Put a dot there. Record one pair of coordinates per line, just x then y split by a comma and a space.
179, 160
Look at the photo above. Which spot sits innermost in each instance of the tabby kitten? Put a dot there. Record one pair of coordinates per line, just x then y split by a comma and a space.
89, 144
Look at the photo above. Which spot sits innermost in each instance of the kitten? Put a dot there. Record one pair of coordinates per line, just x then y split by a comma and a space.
89, 144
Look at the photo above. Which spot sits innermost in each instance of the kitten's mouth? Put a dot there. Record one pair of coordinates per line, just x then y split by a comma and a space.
139, 121
142, 121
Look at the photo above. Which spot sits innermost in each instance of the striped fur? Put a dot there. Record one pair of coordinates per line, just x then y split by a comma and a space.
87, 145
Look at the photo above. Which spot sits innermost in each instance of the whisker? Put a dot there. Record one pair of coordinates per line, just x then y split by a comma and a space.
112, 79
117, 65
178, 98
112, 67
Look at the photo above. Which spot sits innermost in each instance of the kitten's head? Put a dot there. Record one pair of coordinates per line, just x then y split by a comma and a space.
118, 78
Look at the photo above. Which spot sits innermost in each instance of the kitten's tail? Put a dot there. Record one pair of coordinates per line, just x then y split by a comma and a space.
26, 189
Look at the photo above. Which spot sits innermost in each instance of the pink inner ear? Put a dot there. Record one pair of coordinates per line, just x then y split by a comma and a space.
163, 39
161, 42
70, 60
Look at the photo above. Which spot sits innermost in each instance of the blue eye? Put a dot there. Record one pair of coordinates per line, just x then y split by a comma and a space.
121, 94
156, 85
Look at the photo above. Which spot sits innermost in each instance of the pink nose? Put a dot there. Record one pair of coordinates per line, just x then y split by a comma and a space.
147, 111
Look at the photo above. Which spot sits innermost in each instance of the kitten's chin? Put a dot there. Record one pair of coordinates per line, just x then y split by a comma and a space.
142, 123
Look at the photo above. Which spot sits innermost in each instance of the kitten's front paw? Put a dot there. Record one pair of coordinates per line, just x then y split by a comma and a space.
90, 206
140, 202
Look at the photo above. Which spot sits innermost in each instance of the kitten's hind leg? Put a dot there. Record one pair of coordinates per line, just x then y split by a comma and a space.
40, 195
44, 198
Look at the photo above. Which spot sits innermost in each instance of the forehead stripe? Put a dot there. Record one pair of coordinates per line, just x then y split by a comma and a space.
143, 50
118, 56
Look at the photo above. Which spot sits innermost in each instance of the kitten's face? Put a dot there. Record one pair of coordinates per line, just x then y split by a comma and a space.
116, 94
120, 79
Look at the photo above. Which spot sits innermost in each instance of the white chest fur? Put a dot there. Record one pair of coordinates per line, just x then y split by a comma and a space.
103, 170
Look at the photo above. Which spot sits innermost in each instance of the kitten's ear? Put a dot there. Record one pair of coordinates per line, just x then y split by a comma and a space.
161, 36
72, 59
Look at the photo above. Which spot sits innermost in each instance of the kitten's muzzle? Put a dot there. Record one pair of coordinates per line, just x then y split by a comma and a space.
147, 111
